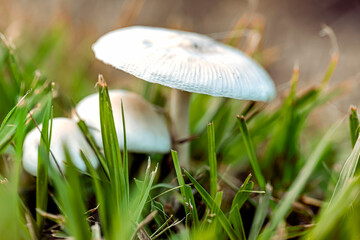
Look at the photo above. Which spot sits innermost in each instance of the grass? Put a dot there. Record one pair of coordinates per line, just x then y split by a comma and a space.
296, 191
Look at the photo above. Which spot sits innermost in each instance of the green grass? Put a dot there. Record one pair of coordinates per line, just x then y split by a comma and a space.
217, 198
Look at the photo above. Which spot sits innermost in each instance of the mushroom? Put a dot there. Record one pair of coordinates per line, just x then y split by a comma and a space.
65, 134
146, 128
186, 62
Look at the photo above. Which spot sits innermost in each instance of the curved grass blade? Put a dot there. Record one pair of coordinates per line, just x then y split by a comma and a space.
241, 196
251, 151
348, 170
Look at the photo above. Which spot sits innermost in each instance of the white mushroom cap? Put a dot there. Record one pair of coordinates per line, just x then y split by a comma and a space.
185, 61
146, 128
65, 133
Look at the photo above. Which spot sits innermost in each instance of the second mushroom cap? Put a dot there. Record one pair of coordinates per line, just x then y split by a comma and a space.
146, 128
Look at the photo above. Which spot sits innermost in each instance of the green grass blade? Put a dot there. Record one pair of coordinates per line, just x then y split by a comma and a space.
348, 170
141, 196
354, 125
91, 141
297, 186
210, 203
43, 160
260, 213
180, 179
251, 152
328, 224
242, 195
111, 147
236, 221
125, 154
212, 159
69, 192
107, 217
192, 207
186, 193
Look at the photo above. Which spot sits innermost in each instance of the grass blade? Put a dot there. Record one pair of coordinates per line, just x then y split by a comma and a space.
354, 125
91, 141
348, 170
260, 214
70, 194
125, 155
251, 152
210, 203
111, 147
328, 224
236, 221
212, 159
241, 196
180, 178
43, 160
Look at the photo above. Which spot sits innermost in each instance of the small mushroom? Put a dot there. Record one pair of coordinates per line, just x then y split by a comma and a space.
65, 134
146, 128
186, 62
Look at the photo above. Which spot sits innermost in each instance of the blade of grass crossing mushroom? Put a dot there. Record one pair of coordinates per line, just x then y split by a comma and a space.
91, 141
12, 217
43, 160
111, 147
209, 201
251, 152
212, 159
354, 125
260, 214
125, 154
297, 186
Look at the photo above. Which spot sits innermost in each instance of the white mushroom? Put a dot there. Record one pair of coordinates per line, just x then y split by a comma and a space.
146, 128
65, 133
185, 61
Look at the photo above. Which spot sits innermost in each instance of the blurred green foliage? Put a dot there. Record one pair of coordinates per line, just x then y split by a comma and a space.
216, 199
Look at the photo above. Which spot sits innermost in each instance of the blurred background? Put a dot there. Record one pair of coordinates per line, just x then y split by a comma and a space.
289, 36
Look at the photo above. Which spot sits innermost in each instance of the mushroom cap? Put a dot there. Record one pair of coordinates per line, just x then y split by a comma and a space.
187, 61
65, 133
146, 128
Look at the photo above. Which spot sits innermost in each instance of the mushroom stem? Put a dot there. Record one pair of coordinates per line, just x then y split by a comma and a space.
179, 113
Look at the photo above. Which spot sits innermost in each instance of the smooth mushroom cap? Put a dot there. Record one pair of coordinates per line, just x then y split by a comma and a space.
146, 128
65, 133
186, 61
